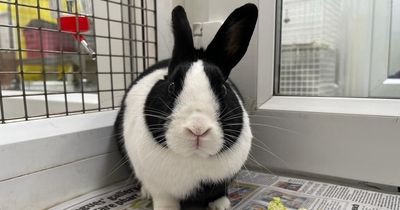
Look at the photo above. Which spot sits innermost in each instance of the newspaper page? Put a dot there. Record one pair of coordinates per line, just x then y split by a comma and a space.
251, 191
121, 196
306, 194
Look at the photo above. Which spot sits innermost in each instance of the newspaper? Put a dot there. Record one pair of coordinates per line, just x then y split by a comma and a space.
251, 191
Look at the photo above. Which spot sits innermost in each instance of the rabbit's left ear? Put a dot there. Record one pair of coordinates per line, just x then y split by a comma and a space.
232, 39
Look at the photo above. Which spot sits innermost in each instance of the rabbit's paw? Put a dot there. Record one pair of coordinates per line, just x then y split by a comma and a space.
222, 203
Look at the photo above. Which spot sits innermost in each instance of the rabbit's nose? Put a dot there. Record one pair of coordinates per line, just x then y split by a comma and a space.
198, 131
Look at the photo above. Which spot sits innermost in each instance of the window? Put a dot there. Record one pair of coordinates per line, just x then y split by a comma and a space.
334, 136
45, 71
339, 48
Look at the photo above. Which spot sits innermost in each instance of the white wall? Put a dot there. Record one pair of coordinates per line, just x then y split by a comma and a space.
164, 33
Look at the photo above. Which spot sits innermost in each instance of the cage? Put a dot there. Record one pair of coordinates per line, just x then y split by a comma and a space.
39, 60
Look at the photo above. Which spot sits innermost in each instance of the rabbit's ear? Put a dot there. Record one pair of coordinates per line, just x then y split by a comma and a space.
232, 39
183, 40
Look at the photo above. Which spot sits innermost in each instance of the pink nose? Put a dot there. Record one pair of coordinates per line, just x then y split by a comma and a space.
196, 131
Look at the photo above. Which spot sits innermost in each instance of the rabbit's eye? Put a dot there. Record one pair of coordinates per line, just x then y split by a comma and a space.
224, 91
171, 87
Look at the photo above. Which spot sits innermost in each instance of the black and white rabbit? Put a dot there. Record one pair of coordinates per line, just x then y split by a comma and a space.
182, 124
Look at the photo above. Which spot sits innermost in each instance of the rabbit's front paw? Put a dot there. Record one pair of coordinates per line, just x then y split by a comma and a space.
222, 203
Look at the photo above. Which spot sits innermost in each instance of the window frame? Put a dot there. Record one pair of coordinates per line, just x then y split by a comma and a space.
317, 115
382, 85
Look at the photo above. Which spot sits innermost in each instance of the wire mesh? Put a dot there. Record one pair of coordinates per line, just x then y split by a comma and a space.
44, 72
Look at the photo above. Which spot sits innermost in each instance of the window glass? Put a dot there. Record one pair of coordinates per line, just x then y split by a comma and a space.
340, 48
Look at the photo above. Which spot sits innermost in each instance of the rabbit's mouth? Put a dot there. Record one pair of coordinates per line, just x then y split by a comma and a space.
188, 144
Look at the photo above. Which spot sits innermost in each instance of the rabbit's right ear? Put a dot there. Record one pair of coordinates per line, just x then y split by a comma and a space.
183, 40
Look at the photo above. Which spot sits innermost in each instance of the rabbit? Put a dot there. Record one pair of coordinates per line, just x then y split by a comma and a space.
182, 123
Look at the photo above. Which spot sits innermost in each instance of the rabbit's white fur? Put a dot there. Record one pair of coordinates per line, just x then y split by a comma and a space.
196, 108
167, 175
